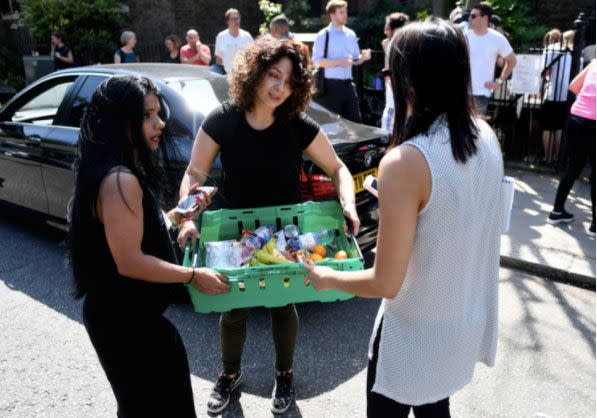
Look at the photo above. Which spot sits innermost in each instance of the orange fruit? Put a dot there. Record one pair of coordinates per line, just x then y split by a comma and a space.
319, 249
316, 257
340, 255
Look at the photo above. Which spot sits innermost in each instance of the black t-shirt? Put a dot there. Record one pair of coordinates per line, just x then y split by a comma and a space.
58, 63
259, 167
168, 59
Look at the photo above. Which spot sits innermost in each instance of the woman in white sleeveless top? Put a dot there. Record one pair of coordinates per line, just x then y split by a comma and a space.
438, 243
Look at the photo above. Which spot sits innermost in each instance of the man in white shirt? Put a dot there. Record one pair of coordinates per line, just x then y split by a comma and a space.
231, 40
485, 46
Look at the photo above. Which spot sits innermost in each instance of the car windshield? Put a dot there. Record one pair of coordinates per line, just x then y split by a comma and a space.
199, 94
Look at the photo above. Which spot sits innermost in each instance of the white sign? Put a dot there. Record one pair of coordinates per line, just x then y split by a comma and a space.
526, 77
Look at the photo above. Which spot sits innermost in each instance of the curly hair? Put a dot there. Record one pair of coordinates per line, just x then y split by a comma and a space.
251, 65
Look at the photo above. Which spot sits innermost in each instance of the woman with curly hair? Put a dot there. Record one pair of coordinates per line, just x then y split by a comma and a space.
262, 134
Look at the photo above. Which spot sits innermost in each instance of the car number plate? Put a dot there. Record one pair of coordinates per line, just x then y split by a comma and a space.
360, 178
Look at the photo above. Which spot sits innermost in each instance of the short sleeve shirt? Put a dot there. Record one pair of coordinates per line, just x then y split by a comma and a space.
58, 63
342, 43
227, 46
259, 167
187, 52
484, 51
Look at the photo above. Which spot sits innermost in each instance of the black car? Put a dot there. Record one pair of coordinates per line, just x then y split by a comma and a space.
39, 129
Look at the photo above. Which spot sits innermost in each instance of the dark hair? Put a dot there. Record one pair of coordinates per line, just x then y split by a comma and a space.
58, 35
418, 51
485, 9
251, 65
397, 20
111, 137
176, 41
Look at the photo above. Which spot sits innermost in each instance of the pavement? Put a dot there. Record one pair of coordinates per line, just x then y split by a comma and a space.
562, 252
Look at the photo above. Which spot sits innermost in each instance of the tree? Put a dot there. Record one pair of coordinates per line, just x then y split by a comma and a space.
90, 27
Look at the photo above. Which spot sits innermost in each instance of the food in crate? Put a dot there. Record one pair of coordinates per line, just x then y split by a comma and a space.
264, 246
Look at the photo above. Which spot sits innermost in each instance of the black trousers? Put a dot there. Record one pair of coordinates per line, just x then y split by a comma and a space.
144, 359
581, 145
379, 406
341, 98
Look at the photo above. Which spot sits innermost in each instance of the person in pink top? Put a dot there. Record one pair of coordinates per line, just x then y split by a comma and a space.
194, 52
581, 144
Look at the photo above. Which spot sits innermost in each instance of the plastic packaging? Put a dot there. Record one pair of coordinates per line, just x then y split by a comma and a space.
223, 254
190, 203
291, 231
255, 240
311, 239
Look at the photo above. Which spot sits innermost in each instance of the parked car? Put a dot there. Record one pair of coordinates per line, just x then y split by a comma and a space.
39, 129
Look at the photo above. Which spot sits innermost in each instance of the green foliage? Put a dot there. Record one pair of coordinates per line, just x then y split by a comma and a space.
519, 22
90, 27
11, 69
296, 11
269, 10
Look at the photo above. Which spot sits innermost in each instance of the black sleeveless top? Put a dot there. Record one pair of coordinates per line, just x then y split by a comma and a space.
116, 292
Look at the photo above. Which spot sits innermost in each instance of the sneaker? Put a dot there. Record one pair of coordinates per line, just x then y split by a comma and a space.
220, 395
591, 230
555, 218
283, 393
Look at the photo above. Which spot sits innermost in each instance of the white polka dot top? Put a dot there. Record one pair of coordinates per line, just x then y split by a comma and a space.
445, 317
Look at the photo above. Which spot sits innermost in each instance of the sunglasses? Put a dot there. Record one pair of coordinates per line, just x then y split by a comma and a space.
234, 18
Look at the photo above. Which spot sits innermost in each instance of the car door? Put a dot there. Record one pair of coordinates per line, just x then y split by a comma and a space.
24, 124
60, 146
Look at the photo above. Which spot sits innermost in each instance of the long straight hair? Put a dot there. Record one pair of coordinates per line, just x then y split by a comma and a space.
430, 68
111, 137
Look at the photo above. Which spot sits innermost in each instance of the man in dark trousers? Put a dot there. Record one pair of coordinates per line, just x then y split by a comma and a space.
62, 55
342, 53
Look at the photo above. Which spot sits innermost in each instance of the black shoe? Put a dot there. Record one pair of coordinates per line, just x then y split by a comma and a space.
555, 218
220, 395
283, 393
591, 230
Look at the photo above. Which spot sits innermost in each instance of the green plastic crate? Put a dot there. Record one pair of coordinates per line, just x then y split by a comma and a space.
272, 285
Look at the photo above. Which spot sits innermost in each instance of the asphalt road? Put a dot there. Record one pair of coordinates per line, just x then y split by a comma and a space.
545, 365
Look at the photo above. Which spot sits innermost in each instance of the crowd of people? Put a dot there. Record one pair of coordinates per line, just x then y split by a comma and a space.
436, 319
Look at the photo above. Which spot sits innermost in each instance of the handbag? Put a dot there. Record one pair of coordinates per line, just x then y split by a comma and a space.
320, 74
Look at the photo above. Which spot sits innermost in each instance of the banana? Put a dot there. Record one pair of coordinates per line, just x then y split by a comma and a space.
267, 258
254, 262
270, 246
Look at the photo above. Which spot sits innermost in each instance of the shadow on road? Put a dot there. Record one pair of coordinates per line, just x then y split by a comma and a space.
331, 347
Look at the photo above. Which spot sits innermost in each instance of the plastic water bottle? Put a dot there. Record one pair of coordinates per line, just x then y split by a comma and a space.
291, 231
255, 240
311, 239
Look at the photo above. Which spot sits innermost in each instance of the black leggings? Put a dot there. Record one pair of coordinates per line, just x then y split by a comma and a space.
144, 359
233, 331
581, 145
379, 406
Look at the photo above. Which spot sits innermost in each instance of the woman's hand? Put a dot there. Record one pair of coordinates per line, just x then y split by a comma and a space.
210, 281
350, 211
319, 276
187, 231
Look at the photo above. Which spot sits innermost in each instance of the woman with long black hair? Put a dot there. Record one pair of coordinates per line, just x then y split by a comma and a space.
437, 260
121, 254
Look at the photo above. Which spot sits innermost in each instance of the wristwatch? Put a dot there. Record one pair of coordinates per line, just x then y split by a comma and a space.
499, 81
